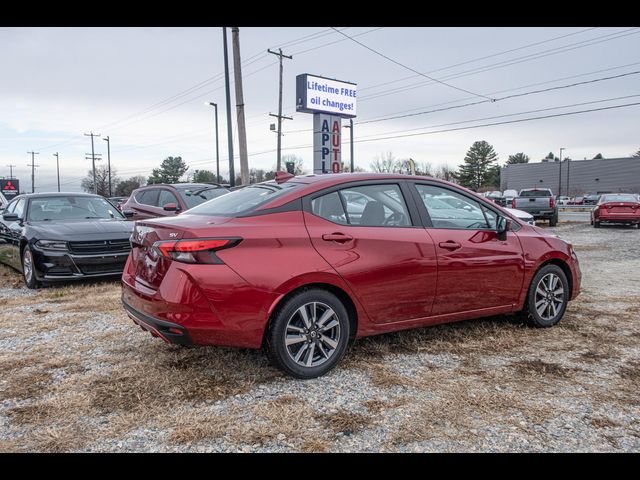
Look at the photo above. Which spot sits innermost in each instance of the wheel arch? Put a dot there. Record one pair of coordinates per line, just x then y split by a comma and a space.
342, 294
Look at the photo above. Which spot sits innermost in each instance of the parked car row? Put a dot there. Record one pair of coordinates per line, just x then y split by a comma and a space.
52, 237
620, 208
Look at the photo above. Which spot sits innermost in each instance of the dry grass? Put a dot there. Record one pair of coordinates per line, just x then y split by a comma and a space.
343, 421
539, 367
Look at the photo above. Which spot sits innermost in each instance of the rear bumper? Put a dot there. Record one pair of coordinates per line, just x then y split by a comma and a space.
167, 331
618, 218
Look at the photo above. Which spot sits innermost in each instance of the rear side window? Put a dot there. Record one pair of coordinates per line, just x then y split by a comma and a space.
330, 208
369, 205
244, 200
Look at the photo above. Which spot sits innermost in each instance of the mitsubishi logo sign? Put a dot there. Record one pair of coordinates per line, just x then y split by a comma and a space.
10, 187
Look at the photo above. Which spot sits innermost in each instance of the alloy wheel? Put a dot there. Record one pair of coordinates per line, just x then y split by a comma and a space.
312, 334
27, 265
549, 296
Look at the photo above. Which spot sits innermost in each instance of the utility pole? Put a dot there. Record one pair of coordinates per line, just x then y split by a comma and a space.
33, 171
232, 174
57, 169
215, 105
242, 131
11, 171
106, 139
568, 170
93, 160
279, 116
560, 178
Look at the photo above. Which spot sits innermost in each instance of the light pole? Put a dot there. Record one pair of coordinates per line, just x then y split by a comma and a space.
560, 177
57, 169
106, 139
215, 105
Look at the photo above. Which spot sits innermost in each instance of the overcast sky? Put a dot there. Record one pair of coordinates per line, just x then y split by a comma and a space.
146, 88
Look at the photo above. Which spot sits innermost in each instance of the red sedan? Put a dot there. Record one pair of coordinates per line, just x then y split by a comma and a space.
617, 208
302, 265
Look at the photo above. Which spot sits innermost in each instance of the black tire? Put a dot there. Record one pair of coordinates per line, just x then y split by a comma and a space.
596, 224
553, 221
286, 317
29, 275
530, 315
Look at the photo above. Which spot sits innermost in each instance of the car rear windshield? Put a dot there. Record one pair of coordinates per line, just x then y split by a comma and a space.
195, 196
535, 193
244, 200
619, 198
71, 207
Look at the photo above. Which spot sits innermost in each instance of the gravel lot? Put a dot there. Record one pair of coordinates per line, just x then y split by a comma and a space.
77, 375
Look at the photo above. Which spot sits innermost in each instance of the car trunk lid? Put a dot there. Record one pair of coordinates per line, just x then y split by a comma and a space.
150, 266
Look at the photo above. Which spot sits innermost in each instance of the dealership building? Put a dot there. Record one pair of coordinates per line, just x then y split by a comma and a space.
575, 177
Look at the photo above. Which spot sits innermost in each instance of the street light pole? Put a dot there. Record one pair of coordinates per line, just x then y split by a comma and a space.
57, 169
106, 139
560, 178
215, 105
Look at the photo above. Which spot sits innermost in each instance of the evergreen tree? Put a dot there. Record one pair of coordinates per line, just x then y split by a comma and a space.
478, 168
170, 171
203, 176
598, 157
518, 158
637, 154
125, 187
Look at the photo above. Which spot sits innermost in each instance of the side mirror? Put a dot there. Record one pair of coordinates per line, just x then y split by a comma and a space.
10, 217
128, 213
170, 207
503, 225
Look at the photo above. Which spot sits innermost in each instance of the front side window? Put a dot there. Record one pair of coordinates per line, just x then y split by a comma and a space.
369, 205
167, 197
148, 197
19, 209
449, 209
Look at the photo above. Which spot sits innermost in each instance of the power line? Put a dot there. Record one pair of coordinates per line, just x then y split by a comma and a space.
501, 123
507, 63
409, 68
558, 107
523, 47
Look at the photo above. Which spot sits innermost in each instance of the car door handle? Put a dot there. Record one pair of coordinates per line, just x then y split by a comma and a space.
449, 245
336, 237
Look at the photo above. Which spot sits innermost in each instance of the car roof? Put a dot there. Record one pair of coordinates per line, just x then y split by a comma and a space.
183, 185
58, 194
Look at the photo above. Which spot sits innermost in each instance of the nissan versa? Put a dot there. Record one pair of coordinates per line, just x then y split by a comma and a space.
302, 265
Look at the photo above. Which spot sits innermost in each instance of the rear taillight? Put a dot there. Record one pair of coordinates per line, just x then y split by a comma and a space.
195, 251
513, 203
552, 202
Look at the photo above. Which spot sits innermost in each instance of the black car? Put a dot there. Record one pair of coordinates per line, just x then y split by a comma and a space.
63, 236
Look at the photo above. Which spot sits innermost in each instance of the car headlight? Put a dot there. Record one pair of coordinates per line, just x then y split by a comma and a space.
52, 245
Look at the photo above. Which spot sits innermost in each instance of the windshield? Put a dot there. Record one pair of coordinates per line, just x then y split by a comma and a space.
535, 193
243, 200
195, 196
619, 198
71, 208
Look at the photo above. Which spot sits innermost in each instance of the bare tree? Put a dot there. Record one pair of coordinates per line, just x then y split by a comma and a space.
297, 161
444, 172
102, 181
385, 163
